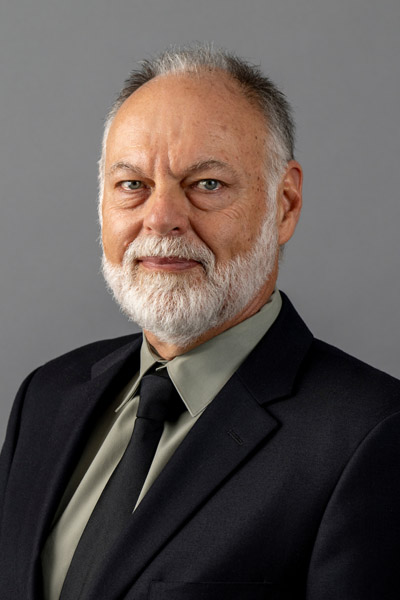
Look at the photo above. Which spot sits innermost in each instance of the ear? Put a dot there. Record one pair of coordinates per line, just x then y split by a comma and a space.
289, 201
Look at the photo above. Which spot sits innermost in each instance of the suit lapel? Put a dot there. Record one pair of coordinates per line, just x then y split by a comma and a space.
78, 408
271, 370
232, 428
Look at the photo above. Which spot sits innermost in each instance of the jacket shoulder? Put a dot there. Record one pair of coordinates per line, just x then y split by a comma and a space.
78, 362
348, 385
334, 362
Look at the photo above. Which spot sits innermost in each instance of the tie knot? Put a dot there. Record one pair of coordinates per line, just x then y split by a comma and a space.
159, 399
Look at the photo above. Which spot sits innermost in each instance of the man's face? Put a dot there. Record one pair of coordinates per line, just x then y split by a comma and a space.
185, 166
185, 157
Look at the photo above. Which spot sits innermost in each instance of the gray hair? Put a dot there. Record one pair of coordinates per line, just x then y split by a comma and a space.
256, 86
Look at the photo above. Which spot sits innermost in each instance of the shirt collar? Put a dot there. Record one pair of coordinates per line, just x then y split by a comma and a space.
198, 375
201, 373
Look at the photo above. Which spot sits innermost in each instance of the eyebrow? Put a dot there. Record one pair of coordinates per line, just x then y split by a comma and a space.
126, 166
211, 163
201, 165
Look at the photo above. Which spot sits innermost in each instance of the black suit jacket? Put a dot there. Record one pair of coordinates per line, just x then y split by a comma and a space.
287, 487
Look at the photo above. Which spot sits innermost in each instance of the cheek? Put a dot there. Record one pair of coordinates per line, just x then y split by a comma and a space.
225, 237
117, 234
235, 231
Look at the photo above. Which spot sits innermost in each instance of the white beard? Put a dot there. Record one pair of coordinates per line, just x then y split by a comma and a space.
178, 308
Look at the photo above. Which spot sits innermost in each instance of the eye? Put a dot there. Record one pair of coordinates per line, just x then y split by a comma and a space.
209, 185
131, 185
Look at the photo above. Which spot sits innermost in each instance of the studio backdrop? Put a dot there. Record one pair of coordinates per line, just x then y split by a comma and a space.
62, 65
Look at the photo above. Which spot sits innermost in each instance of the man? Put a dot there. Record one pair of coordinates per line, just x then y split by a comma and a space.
277, 475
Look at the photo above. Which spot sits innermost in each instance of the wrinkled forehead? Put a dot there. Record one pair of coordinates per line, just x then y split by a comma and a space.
185, 112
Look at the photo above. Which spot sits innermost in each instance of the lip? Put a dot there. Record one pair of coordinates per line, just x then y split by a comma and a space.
167, 263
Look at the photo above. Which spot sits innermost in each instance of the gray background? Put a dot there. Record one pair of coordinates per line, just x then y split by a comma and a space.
61, 65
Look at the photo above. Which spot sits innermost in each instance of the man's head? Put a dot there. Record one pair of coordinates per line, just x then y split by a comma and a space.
199, 188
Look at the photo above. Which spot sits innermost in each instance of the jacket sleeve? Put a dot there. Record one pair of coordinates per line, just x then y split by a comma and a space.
356, 554
10, 443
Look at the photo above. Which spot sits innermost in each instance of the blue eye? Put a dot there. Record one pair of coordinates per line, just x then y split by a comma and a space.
131, 185
209, 185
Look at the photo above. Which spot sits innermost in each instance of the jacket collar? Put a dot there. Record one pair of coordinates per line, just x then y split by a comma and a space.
116, 359
270, 371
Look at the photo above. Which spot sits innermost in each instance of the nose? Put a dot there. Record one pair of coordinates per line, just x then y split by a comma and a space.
166, 213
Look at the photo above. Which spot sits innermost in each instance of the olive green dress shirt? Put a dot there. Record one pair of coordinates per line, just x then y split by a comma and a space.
198, 376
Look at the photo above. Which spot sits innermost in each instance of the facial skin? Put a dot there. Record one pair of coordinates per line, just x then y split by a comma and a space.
185, 159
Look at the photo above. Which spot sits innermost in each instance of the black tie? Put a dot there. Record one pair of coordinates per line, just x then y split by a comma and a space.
159, 402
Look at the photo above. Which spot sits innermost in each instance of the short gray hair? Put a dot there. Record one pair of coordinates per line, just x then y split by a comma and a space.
257, 87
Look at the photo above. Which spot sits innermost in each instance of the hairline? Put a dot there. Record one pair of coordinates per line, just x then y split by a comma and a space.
276, 155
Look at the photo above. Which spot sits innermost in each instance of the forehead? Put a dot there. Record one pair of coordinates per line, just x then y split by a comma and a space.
193, 114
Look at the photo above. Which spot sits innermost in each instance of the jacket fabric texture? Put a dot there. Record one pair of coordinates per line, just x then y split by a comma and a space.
287, 487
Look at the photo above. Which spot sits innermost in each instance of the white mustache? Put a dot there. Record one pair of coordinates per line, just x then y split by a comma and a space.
178, 247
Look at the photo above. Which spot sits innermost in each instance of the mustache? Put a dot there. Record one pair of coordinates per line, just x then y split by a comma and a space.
177, 247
